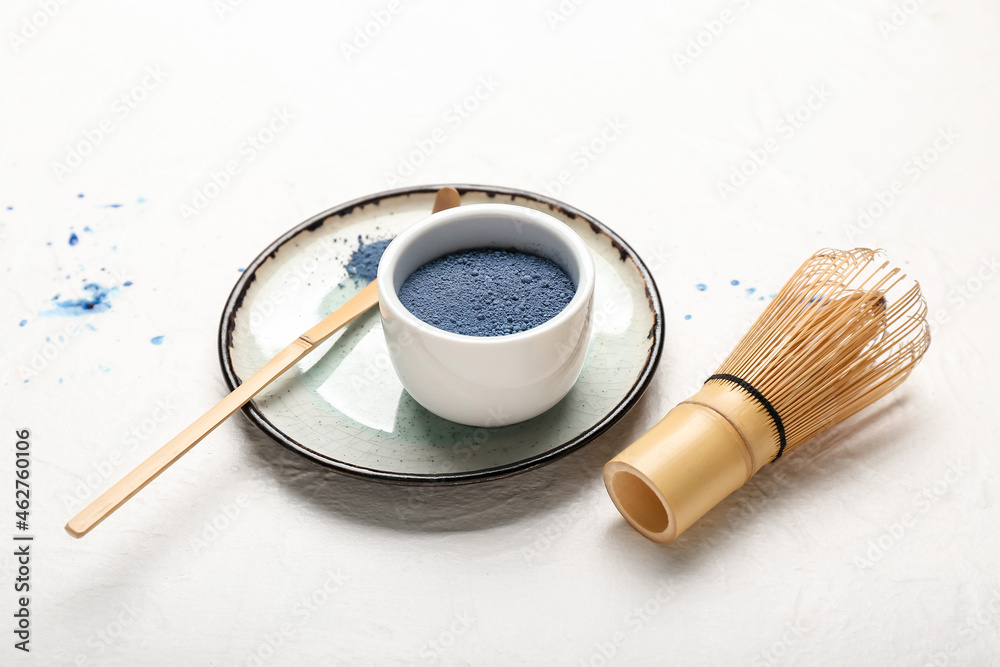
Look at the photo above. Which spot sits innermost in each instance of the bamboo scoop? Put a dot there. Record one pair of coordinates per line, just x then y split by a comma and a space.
148, 470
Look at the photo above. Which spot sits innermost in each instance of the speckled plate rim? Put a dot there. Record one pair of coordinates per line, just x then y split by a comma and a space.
256, 417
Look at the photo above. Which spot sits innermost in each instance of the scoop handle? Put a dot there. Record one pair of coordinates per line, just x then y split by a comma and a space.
129, 485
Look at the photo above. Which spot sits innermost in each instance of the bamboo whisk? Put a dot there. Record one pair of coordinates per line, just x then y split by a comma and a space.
844, 331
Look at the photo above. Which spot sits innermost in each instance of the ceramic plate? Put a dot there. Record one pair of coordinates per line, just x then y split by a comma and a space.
343, 406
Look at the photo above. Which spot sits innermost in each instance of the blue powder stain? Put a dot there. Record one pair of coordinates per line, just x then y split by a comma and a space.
751, 290
487, 292
240, 270
156, 340
701, 287
112, 206
140, 200
687, 317
73, 240
364, 261
88, 229
91, 327
48, 243
98, 301
127, 283
23, 322
104, 369
60, 380
10, 208
80, 196
734, 283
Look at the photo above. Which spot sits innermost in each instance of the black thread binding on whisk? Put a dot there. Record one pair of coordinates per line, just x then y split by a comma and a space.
775, 417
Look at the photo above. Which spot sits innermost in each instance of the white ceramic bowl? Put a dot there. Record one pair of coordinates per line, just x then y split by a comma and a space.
487, 381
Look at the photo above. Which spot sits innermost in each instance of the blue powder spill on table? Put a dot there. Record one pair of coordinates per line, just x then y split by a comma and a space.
97, 301
487, 292
156, 340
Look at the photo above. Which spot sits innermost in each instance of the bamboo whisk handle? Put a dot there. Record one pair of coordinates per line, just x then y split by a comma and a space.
700, 452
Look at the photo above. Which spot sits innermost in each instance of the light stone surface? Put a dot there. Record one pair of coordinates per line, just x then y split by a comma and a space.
877, 545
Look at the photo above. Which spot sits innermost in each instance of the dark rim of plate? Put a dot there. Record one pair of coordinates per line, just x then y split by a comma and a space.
252, 412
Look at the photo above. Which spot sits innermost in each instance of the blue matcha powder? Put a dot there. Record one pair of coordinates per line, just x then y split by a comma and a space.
364, 261
487, 292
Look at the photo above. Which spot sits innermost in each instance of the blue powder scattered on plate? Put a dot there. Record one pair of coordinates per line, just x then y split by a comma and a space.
73, 240
734, 283
364, 261
156, 340
701, 287
23, 322
487, 292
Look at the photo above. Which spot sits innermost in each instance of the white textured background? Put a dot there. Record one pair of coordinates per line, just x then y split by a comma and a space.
878, 546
